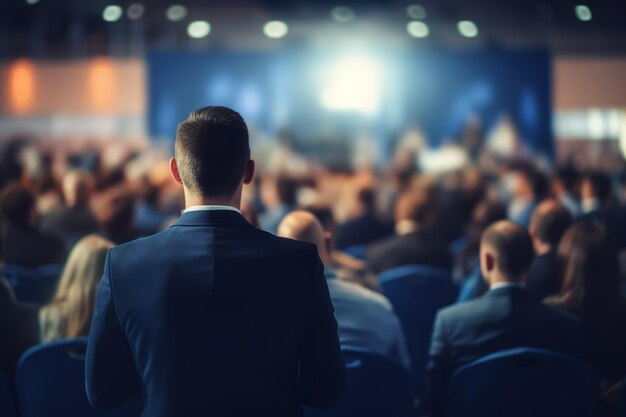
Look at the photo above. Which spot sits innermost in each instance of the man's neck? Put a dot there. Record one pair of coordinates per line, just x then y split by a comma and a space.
195, 200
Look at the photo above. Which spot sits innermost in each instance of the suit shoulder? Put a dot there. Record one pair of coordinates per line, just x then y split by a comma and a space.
459, 311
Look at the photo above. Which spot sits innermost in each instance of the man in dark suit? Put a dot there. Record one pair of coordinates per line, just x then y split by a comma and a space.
213, 316
413, 243
505, 317
547, 225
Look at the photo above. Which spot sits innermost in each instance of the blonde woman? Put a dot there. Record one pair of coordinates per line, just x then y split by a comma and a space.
69, 313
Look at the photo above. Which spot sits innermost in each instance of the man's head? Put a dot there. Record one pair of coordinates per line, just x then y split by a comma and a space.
77, 187
549, 221
302, 225
17, 205
415, 206
212, 153
506, 253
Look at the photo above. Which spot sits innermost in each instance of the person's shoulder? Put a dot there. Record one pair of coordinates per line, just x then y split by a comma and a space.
364, 295
463, 311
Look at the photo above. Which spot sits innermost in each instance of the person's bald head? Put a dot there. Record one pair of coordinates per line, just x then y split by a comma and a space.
549, 222
506, 252
303, 225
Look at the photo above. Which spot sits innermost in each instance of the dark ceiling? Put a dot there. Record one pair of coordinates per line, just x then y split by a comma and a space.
69, 28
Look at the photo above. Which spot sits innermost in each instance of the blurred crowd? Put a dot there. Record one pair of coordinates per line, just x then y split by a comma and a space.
66, 204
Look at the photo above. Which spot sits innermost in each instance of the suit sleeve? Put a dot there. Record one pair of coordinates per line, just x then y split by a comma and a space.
321, 380
439, 368
110, 374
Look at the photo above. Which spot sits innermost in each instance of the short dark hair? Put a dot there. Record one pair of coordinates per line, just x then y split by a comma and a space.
16, 204
600, 184
513, 247
212, 150
550, 220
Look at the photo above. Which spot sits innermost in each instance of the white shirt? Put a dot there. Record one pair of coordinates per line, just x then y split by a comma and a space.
506, 285
211, 208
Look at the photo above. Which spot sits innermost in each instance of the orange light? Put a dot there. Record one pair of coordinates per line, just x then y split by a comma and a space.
21, 86
102, 85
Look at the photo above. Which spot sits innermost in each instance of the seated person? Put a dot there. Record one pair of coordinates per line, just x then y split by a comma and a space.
591, 290
18, 329
413, 242
21, 243
548, 223
507, 316
69, 313
366, 319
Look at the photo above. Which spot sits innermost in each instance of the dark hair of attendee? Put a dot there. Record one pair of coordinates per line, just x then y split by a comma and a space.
287, 190
16, 205
484, 215
590, 269
212, 151
600, 184
513, 247
550, 225
367, 197
538, 181
415, 206
568, 176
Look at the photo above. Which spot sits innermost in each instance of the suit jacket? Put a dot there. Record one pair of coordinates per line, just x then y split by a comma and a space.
501, 319
418, 247
18, 329
544, 279
214, 317
361, 231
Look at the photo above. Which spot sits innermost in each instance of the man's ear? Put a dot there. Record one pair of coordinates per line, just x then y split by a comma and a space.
174, 171
490, 262
249, 173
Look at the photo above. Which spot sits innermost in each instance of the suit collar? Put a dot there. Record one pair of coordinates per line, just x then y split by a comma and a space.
211, 217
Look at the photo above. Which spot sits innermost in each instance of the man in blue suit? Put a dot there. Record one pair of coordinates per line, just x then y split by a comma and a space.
507, 316
214, 317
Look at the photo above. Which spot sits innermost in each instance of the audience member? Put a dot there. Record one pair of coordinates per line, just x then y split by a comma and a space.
591, 290
21, 243
565, 185
278, 195
527, 187
69, 313
213, 316
74, 220
366, 319
18, 329
549, 221
413, 242
365, 227
505, 317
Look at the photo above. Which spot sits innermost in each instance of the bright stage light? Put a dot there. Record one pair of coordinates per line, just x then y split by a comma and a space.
112, 13
583, 12
275, 29
467, 28
417, 29
353, 84
199, 29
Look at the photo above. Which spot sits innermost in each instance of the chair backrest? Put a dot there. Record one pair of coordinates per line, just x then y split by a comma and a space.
6, 398
51, 382
417, 292
33, 285
524, 382
375, 387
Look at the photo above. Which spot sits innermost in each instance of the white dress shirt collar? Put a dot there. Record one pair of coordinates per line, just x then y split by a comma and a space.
211, 208
506, 285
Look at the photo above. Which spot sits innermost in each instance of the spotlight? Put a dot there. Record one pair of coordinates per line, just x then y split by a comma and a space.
583, 13
112, 13
275, 29
417, 29
342, 14
467, 28
199, 29
354, 84
135, 11
176, 12
415, 11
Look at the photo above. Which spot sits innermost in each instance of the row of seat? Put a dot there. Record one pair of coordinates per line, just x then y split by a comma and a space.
517, 382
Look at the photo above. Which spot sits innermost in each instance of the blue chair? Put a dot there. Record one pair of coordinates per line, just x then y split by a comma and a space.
51, 382
417, 293
524, 382
33, 285
6, 398
357, 252
375, 387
